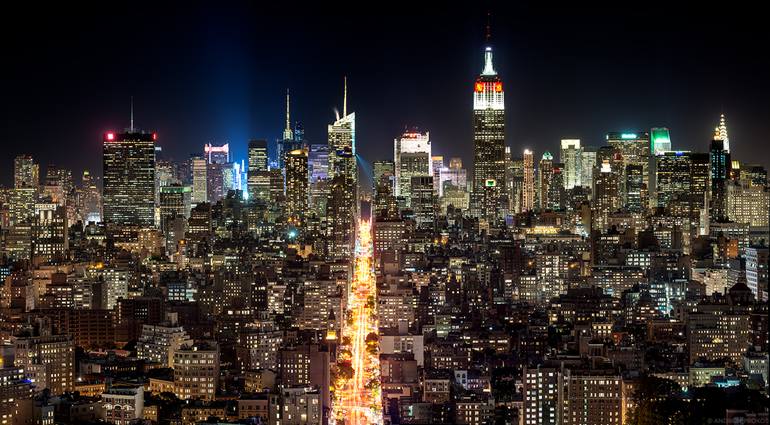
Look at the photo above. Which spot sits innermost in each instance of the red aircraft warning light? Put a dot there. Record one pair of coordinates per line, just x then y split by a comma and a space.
110, 136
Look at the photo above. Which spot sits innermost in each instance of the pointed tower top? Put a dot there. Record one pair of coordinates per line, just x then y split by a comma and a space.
287, 133
288, 115
489, 68
345, 98
722, 129
132, 115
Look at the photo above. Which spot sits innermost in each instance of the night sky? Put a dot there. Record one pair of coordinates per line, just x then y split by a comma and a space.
217, 72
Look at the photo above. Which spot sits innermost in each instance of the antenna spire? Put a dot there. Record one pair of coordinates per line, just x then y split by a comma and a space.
132, 114
489, 26
345, 98
288, 120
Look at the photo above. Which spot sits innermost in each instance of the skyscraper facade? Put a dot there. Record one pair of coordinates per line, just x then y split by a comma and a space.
720, 172
571, 156
199, 180
545, 176
318, 164
342, 205
257, 166
411, 157
672, 176
26, 172
528, 193
296, 186
488, 143
660, 140
588, 163
129, 178
634, 147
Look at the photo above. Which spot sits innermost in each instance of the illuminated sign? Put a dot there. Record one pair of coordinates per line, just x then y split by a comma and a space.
490, 183
628, 136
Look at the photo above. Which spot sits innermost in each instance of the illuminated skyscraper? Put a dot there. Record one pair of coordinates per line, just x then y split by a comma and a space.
720, 173
50, 232
721, 133
199, 180
660, 140
606, 194
528, 194
129, 178
175, 200
412, 157
634, 147
26, 172
556, 192
257, 155
636, 188
571, 156
342, 205
672, 176
219, 176
545, 176
342, 144
423, 200
384, 186
588, 163
488, 195
318, 164
437, 163
340, 218
90, 199
257, 164
296, 186
515, 181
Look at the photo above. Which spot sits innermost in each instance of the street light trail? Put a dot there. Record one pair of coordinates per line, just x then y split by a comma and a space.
358, 400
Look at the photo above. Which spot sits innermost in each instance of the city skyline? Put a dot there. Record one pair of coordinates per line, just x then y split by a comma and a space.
467, 231
581, 105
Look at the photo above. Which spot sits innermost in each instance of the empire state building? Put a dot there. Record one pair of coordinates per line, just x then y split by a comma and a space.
488, 198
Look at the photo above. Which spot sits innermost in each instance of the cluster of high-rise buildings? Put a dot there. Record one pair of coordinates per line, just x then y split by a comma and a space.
618, 281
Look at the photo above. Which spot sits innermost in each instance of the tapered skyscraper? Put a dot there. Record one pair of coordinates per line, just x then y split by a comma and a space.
488, 198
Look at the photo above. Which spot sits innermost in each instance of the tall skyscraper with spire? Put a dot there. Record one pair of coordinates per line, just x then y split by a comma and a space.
720, 133
342, 205
488, 199
287, 133
288, 142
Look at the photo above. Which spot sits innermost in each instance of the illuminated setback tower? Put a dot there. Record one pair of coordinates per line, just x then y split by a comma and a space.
129, 178
488, 142
411, 158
